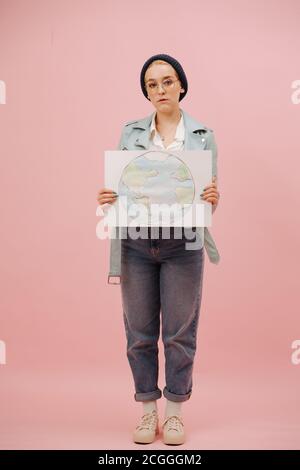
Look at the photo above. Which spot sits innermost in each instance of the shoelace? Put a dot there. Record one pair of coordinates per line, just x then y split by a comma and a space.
148, 421
173, 422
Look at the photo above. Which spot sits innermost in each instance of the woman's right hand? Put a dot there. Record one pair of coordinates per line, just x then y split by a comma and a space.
106, 196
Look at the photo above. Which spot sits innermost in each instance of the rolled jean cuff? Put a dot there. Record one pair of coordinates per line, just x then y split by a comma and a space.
146, 396
175, 397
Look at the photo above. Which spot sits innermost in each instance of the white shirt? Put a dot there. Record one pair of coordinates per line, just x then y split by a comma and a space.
155, 140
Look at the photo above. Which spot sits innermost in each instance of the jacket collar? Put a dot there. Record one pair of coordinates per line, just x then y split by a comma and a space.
193, 130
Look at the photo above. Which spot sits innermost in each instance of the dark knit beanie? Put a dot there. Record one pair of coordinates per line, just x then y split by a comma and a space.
171, 61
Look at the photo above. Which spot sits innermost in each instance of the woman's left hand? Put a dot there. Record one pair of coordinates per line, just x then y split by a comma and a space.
211, 194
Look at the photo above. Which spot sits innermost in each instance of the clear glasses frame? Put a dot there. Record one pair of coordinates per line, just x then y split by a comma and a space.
166, 84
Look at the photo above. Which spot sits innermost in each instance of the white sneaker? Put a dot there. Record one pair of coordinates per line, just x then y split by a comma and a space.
146, 431
173, 432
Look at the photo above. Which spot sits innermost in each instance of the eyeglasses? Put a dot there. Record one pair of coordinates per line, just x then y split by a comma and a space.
166, 84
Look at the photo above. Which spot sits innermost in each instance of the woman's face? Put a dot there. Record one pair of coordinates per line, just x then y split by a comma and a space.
168, 86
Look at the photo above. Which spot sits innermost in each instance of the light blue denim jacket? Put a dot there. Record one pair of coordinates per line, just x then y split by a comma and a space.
136, 136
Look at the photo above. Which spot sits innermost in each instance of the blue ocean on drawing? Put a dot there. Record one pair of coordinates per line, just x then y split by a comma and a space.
157, 178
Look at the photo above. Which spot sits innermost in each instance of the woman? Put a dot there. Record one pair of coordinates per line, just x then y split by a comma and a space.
158, 273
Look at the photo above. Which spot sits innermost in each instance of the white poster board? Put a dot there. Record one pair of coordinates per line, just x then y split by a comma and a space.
158, 187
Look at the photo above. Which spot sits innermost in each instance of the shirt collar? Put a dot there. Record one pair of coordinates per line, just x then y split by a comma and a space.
179, 136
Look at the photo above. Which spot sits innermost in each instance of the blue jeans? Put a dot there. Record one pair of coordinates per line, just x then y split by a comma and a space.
161, 275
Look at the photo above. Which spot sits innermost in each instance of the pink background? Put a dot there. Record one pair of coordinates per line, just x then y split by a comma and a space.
71, 70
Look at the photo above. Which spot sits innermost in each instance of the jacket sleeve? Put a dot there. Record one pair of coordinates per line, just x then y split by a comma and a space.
211, 145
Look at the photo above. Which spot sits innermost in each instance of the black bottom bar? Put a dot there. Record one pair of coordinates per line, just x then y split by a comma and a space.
132, 458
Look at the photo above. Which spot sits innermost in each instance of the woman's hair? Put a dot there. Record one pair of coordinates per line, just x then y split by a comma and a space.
159, 61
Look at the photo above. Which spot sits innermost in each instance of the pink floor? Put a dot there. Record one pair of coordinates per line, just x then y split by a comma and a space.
79, 410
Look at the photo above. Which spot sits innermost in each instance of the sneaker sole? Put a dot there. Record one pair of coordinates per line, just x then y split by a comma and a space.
149, 440
173, 440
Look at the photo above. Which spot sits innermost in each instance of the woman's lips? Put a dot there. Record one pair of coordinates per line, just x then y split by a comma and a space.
164, 99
